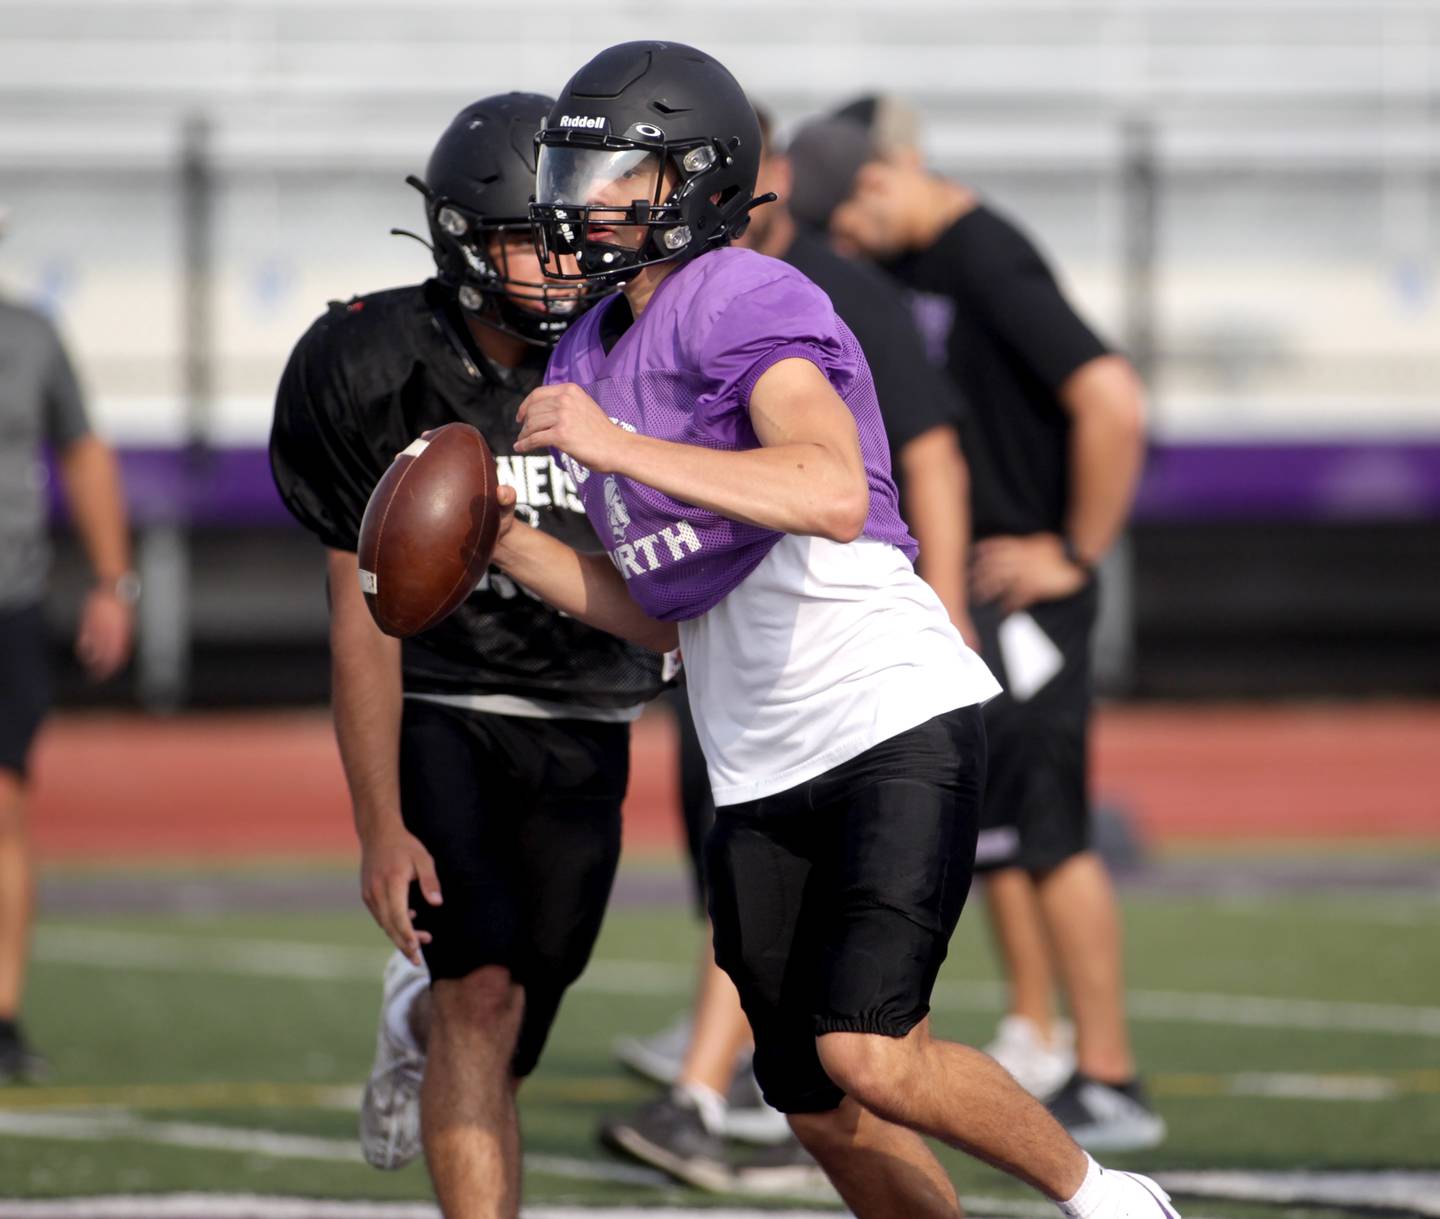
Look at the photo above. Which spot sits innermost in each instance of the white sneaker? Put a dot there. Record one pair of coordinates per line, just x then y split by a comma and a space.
659, 1056
390, 1108
1131, 1196
1040, 1068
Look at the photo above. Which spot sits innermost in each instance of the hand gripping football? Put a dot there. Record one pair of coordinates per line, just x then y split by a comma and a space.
429, 529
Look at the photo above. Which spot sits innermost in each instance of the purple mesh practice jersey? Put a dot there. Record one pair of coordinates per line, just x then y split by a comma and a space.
683, 372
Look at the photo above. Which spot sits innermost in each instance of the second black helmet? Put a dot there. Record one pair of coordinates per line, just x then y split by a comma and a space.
477, 187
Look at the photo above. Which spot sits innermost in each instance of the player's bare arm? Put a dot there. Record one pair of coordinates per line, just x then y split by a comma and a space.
808, 476
1105, 401
367, 702
585, 586
937, 509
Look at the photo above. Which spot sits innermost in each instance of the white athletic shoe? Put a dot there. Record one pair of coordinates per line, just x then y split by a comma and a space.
390, 1108
1131, 1196
1039, 1068
657, 1057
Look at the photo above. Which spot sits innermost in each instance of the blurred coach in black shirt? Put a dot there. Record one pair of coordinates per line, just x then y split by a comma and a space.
1053, 434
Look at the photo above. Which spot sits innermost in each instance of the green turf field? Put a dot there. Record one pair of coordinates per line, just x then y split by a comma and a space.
224, 1051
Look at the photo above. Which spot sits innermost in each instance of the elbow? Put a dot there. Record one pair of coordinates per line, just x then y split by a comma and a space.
845, 517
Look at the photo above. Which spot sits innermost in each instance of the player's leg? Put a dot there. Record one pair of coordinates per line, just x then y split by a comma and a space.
659, 1056
567, 848
881, 1170
467, 1102
711, 1094
770, 934
461, 796
903, 821
24, 698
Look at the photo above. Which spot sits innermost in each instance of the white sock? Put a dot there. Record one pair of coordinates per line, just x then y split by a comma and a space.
1086, 1202
711, 1106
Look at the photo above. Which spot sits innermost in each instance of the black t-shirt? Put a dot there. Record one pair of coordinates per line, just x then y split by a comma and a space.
366, 379
1014, 341
914, 395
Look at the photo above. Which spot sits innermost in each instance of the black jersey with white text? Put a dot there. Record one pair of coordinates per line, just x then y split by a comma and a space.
367, 378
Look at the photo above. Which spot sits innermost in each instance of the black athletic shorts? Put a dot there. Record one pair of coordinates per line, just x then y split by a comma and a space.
24, 683
522, 817
1036, 813
834, 902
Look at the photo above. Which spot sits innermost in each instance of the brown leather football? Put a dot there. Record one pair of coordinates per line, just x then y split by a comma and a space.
429, 529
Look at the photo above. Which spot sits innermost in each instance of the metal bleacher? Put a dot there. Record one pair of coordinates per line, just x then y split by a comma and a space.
1293, 147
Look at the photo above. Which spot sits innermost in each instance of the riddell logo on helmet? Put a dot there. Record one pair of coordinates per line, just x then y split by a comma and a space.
583, 120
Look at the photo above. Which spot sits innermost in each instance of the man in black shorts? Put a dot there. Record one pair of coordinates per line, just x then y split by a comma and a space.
40, 403
681, 1132
1054, 439
722, 428
487, 758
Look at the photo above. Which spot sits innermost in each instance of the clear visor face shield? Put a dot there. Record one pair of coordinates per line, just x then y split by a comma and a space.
595, 209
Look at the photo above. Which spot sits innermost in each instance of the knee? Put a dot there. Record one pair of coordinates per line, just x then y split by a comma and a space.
867, 1066
828, 1132
486, 999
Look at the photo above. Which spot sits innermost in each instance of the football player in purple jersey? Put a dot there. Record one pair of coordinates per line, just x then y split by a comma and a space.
721, 427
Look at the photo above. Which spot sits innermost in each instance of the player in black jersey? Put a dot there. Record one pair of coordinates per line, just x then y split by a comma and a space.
487, 757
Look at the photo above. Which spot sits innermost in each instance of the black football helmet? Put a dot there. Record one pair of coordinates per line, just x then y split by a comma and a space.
654, 135
477, 185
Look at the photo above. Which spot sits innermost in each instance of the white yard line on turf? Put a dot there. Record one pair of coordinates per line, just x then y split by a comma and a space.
256, 1206
259, 1206
113, 1126
318, 962
1415, 1193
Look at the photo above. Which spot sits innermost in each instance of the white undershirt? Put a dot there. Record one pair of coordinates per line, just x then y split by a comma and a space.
821, 652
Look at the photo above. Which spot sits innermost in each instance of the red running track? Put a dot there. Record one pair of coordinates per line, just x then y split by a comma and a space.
234, 785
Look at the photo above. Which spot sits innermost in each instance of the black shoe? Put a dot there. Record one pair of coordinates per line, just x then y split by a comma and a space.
19, 1064
786, 1168
1107, 1117
668, 1134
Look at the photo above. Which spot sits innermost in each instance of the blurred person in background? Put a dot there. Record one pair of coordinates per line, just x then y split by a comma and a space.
41, 404
1054, 437
488, 756
704, 1059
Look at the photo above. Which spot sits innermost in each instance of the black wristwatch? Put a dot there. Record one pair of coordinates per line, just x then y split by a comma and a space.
1075, 558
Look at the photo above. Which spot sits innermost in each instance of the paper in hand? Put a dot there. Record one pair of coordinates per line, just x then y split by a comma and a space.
1030, 656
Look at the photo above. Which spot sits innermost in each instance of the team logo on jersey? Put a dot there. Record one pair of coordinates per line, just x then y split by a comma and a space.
615, 511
